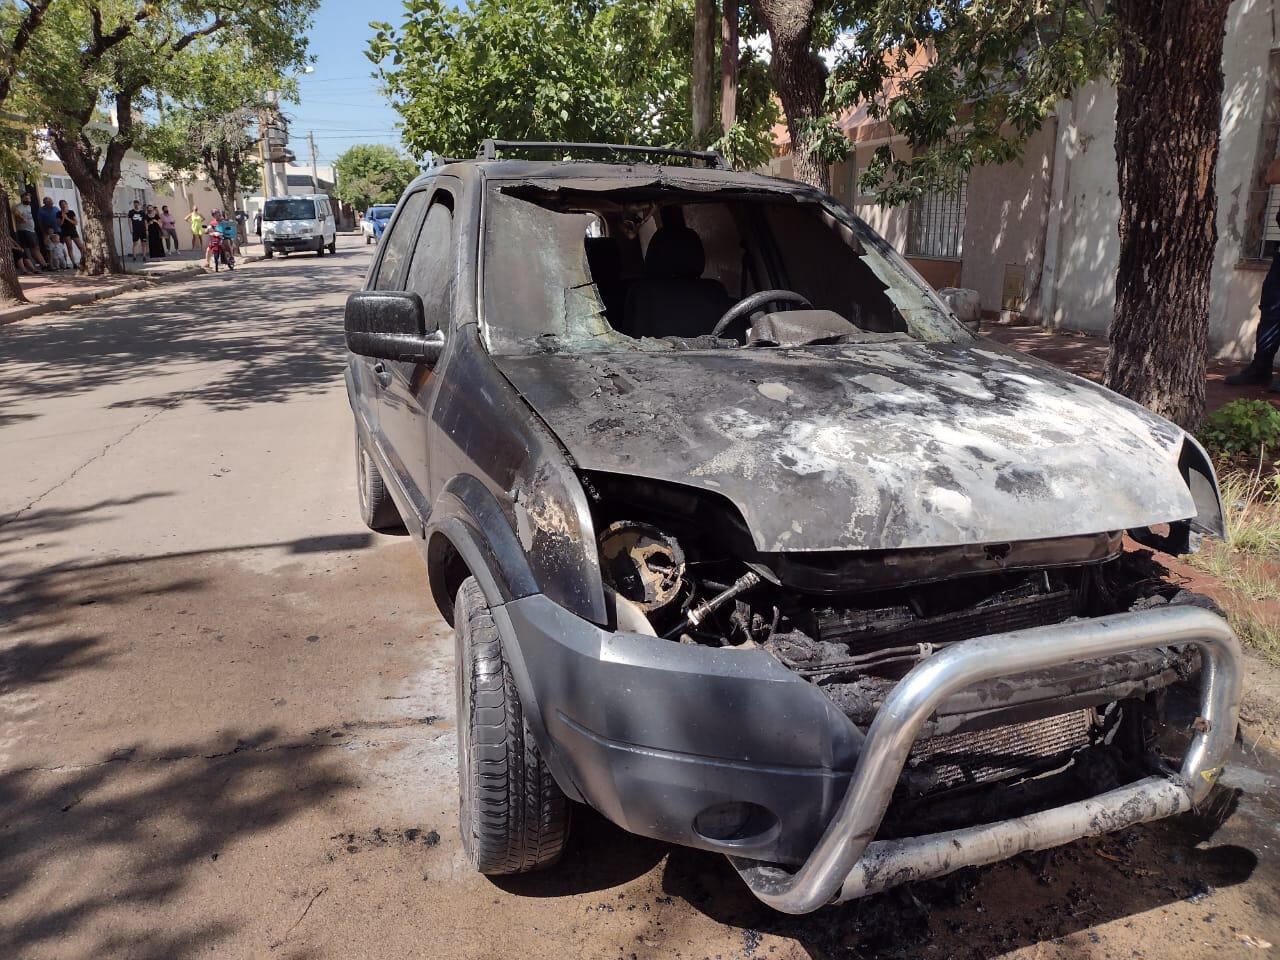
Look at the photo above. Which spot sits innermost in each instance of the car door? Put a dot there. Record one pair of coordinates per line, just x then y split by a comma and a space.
408, 399
371, 378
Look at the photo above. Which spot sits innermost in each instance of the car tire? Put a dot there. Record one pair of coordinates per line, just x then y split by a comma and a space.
513, 815
333, 245
320, 248
267, 252
367, 239
377, 509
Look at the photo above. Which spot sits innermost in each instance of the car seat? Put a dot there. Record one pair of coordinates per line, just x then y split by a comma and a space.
672, 299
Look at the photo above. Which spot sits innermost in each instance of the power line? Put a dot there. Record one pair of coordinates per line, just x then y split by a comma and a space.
312, 78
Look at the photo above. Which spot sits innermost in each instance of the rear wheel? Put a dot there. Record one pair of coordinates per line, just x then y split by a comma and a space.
377, 509
514, 817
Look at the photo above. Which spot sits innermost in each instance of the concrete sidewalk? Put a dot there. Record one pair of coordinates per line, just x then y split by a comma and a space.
1086, 356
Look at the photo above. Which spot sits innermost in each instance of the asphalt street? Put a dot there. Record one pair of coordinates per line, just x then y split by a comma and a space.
226, 708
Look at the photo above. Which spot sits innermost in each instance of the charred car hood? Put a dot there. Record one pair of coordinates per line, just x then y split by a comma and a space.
869, 447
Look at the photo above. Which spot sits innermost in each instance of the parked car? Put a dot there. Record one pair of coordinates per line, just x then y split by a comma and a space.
375, 221
750, 545
293, 224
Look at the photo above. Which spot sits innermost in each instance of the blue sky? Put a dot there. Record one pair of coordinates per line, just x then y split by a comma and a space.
340, 100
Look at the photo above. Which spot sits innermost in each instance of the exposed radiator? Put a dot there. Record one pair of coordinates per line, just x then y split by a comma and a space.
981, 756
896, 626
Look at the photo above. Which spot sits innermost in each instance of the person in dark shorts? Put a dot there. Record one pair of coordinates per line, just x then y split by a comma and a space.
24, 227
170, 228
1267, 340
22, 261
138, 230
71, 233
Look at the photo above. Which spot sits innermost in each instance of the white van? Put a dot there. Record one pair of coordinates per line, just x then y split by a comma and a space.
304, 222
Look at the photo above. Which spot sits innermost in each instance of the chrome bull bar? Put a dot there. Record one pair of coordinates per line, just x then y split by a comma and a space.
846, 863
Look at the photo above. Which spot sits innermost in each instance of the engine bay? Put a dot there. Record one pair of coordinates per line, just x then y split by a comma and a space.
686, 573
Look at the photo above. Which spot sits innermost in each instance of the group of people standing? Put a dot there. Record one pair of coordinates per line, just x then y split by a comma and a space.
153, 230
47, 240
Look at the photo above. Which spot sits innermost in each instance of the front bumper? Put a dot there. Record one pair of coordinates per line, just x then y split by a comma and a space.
651, 733
847, 864
291, 243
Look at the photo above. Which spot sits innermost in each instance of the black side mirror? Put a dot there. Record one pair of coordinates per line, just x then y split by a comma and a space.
391, 325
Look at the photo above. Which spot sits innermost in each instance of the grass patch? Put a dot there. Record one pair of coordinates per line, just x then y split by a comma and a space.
1252, 504
1246, 562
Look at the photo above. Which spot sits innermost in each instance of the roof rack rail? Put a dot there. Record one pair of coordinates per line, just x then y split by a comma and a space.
436, 160
489, 149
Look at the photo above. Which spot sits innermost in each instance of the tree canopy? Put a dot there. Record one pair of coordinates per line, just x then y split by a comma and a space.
964, 84
127, 56
612, 71
370, 173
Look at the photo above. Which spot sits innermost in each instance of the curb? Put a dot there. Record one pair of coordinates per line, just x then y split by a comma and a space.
57, 304
140, 282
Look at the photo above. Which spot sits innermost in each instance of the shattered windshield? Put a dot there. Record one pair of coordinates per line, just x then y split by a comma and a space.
655, 268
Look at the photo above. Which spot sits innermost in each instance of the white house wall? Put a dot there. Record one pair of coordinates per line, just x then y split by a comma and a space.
1083, 297
1252, 33
1005, 221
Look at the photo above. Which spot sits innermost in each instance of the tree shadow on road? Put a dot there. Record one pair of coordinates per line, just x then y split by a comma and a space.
265, 338
96, 854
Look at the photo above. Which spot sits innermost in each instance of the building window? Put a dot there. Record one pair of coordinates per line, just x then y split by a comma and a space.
935, 224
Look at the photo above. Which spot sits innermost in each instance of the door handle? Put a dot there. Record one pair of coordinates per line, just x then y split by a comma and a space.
382, 374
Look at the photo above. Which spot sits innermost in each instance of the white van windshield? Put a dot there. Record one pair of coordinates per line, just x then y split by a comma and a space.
295, 208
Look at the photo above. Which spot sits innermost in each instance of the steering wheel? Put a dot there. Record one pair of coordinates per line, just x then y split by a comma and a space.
750, 304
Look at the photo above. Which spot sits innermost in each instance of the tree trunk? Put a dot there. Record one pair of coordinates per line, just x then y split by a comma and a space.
10, 288
702, 85
800, 78
97, 187
1169, 96
224, 171
729, 65
98, 229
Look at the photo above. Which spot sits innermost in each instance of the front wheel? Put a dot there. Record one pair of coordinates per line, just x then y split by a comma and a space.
333, 245
367, 239
267, 252
513, 816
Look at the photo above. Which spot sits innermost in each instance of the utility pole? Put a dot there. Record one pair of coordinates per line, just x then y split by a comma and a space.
268, 179
315, 177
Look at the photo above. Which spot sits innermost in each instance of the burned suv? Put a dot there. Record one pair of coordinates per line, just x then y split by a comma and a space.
750, 545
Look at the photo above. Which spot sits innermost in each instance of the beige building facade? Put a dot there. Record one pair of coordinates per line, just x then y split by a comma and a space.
1038, 236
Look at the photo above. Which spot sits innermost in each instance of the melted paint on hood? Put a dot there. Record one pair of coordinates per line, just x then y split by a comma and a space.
879, 447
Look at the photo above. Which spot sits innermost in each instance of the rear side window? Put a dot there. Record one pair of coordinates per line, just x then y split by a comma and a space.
397, 244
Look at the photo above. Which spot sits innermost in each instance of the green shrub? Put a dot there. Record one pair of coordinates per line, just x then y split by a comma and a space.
1243, 426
